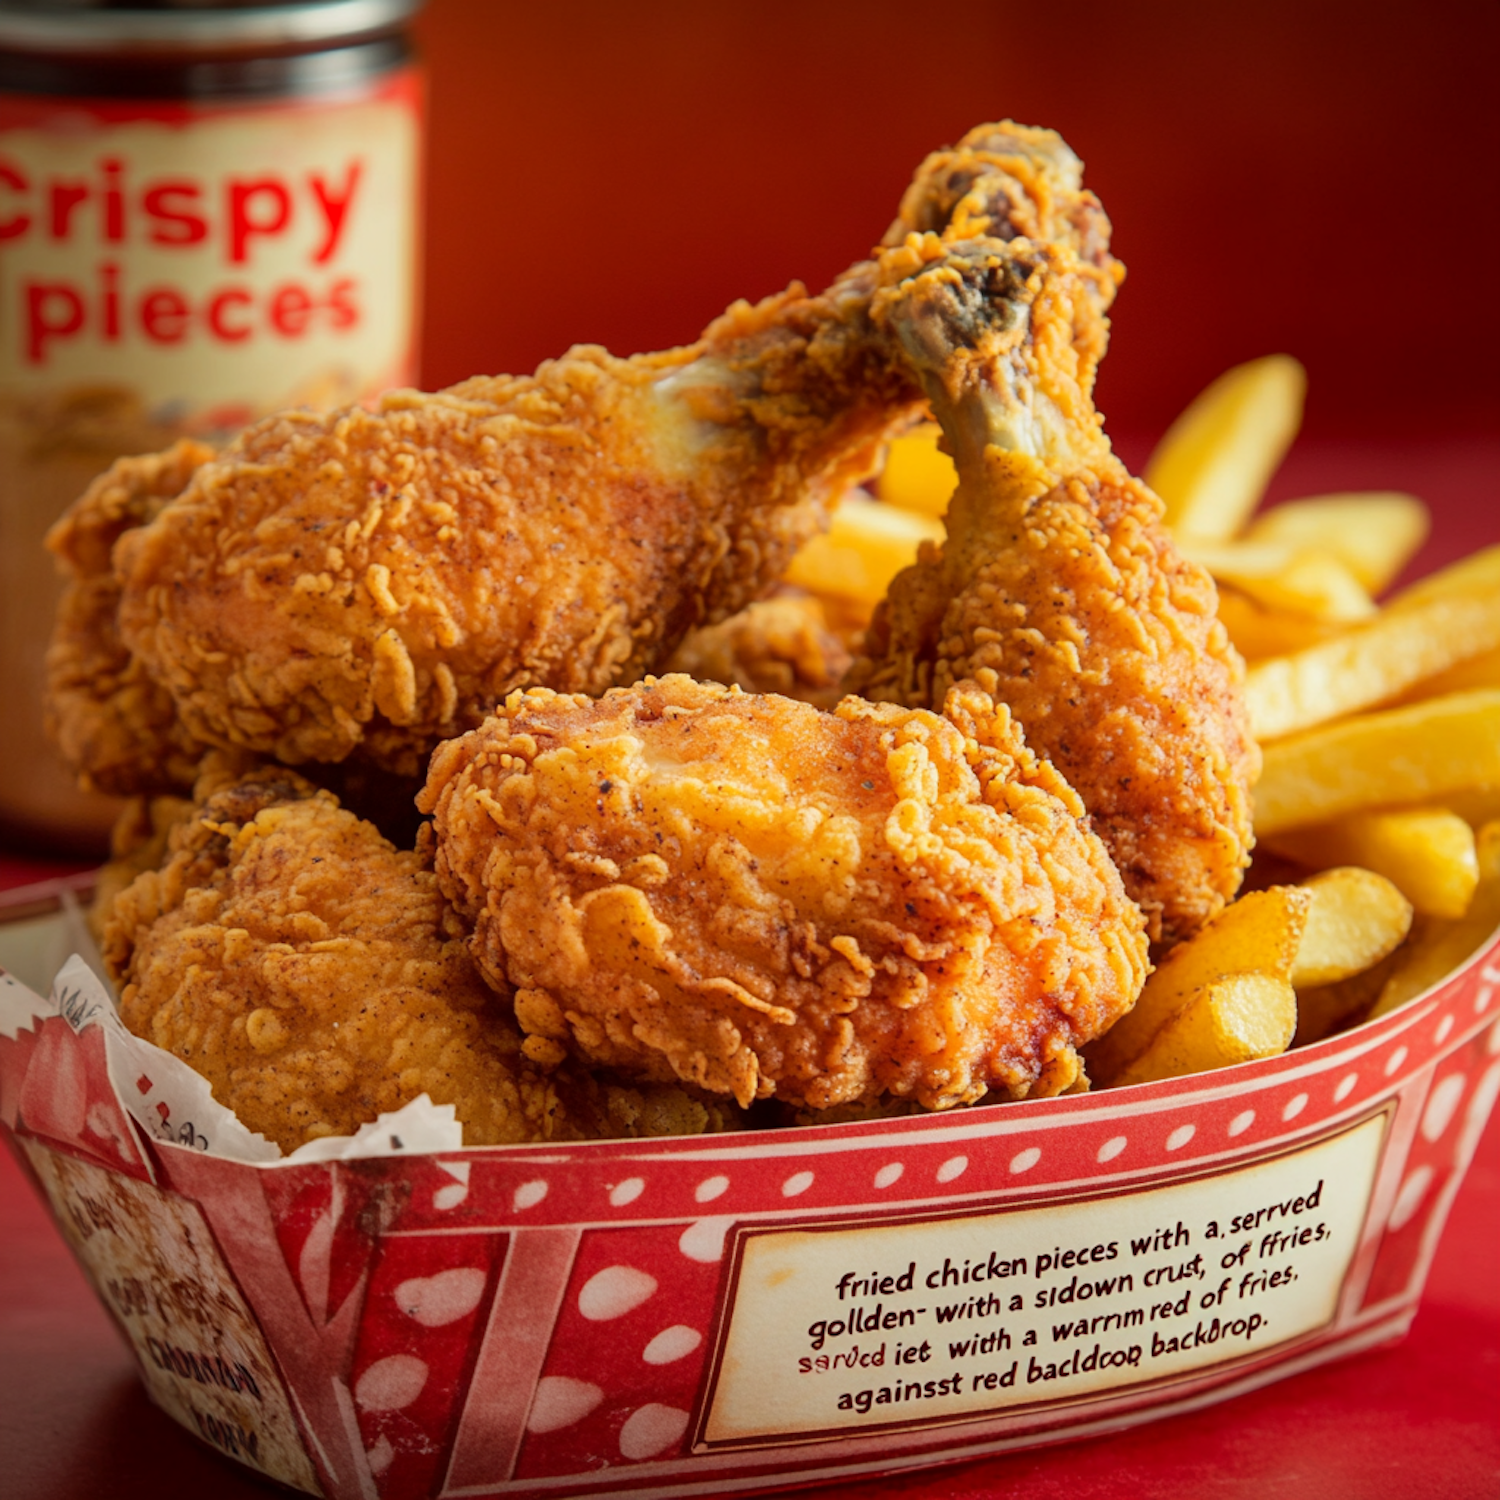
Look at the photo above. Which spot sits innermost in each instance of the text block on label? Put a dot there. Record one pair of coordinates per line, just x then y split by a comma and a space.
837, 1327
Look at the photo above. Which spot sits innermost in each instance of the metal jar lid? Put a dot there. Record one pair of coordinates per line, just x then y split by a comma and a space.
182, 28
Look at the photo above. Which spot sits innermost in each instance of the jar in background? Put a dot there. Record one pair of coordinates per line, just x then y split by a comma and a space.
206, 214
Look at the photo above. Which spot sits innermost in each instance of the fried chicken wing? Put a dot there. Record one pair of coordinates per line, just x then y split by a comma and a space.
1059, 577
115, 725
689, 882
317, 978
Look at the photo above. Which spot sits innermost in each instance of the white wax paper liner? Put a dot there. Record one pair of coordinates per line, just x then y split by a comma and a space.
170, 1101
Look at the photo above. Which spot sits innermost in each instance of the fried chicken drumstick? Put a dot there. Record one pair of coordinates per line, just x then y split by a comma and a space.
1059, 577
369, 583
316, 977
684, 881
379, 579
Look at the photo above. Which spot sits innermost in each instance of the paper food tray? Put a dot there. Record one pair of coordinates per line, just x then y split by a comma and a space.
731, 1313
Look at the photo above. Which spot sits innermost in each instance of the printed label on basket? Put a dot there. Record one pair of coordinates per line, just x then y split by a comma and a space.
932, 1319
154, 1264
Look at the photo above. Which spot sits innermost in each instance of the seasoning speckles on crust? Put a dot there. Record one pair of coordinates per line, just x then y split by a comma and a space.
684, 881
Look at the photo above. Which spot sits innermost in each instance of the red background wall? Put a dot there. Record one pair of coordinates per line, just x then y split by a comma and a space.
1315, 178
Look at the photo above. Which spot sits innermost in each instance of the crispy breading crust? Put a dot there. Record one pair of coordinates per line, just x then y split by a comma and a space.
316, 977
114, 724
371, 582
686, 881
137, 843
1059, 577
1007, 182
778, 645
377, 580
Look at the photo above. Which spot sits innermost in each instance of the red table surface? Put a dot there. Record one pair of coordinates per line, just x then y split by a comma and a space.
1419, 1419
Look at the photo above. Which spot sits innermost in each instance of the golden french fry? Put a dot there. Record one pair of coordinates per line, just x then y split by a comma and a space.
1478, 573
1476, 806
866, 545
1356, 918
1374, 535
1481, 671
1400, 756
1426, 852
1259, 632
1437, 948
1235, 1020
1212, 467
918, 475
1372, 663
1280, 577
1323, 1009
1259, 933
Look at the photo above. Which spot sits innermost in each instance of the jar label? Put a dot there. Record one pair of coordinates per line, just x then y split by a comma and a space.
216, 263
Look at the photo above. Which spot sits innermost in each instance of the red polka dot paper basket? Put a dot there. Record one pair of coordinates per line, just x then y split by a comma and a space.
743, 1312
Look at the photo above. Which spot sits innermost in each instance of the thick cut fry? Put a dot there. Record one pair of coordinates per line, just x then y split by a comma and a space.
1355, 919
1438, 948
1279, 576
1259, 631
1477, 806
1260, 932
1235, 1020
918, 475
1374, 535
866, 545
1213, 465
1481, 671
1478, 573
1420, 753
1426, 852
1372, 663
1323, 1009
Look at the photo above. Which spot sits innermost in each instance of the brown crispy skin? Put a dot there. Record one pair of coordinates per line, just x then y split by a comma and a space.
1009, 181
377, 580
316, 977
114, 724
686, 881
137, 843
1059, 577
784, 645
372, 582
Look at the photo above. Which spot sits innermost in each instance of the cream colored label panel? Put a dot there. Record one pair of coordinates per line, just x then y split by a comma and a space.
844, 1328
215, 267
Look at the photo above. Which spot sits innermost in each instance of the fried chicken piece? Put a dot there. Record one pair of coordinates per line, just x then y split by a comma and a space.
778, 645
1059, 577
1064, 1073
685, 881
317, 978
114, 724
137, 843
1007, 181
377, 581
